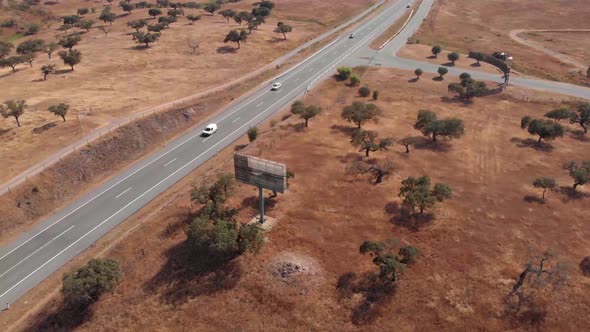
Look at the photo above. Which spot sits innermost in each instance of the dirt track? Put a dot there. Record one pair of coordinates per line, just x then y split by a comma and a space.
514, 34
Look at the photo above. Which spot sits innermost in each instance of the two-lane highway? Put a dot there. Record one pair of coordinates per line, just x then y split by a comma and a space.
39, 253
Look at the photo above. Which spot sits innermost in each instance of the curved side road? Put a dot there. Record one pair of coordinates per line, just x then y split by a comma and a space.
96, 134
388, 57
40, 252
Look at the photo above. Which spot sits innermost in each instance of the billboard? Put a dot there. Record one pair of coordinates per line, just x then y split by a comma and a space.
260, 172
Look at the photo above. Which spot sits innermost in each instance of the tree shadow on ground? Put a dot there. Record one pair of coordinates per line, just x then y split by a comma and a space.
65, 318
533, 199
253, 203
438, 78
448, 64
276, 40
568, 194
455, 100
431, 57
579, 135
374, 295
11, 72
428, 144
45, 127
531, 143
475, 64
61, 71
4, 131
185, 276
348, 130
413, 80
402, 217
226, 50
350, 157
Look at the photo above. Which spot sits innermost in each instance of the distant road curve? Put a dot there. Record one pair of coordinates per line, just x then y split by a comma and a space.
514, 34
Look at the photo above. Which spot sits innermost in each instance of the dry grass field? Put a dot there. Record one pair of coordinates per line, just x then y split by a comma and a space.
572, 44
463, 25
116, 79
472, 252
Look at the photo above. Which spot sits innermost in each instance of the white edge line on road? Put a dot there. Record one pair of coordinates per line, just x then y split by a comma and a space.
140, 196
236, 119
262, 103
339, 59
123, 193
34, 252
170, 162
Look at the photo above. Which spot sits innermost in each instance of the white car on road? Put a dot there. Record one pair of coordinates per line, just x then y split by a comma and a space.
209, 130
276, 86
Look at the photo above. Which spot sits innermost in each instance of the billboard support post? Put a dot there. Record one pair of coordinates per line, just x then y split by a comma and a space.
261, 199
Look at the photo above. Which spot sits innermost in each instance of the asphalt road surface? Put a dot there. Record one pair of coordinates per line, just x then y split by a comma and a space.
40, 252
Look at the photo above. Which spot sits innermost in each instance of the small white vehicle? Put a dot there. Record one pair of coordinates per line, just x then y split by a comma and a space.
209, 130
351, 36
276, 86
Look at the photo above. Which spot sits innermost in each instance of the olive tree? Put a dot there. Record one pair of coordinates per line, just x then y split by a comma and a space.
436, 50
344, 73
390, 265
360, 113
236, 36
479, 57
367, 141
193, 18
417, 194
379, 169
305, 112
71, 57
5, 48
69, 41
211, 7
107, 16
46, 70
559, 114
442, 71
146, 38
418, 72
60, 109
50, 48
544, 183
12, 108
85, 285
154, 12
582, 117
284, 29
580, 173
12, 62
453, 56
428, 124
31, 46
545, 129
227, 14
137, 24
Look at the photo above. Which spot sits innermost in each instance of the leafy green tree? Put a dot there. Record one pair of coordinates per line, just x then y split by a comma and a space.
479, 57
261, 12
176, 12
407, 141
5, 48
243, 16
250, 238
582, 117
227, 14
464, 77
71, 19
355, 80
166, 20
30, 46
580, 173
545, 129
89, 282
29, 57
544, 183
379, 170
193, 18
306, 113
366, 140
154, 12
267, 4
137, 24
211, 241
559, 114
32, 29
50, 48
60, 109
213, 197
364, 91
284, 29
436, 50
211, 7
359, 113
46, 70
253, 134
428, 123
12, 108
344, 73
126, 6
156, 27
442, 71
162, 3
416, 193
390, 265
71, 57
418, 72
107, 16
146, 38
69, 41
85, 24
468, 88
453, 56
236, 36
375, 94
12, 62
83, 11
